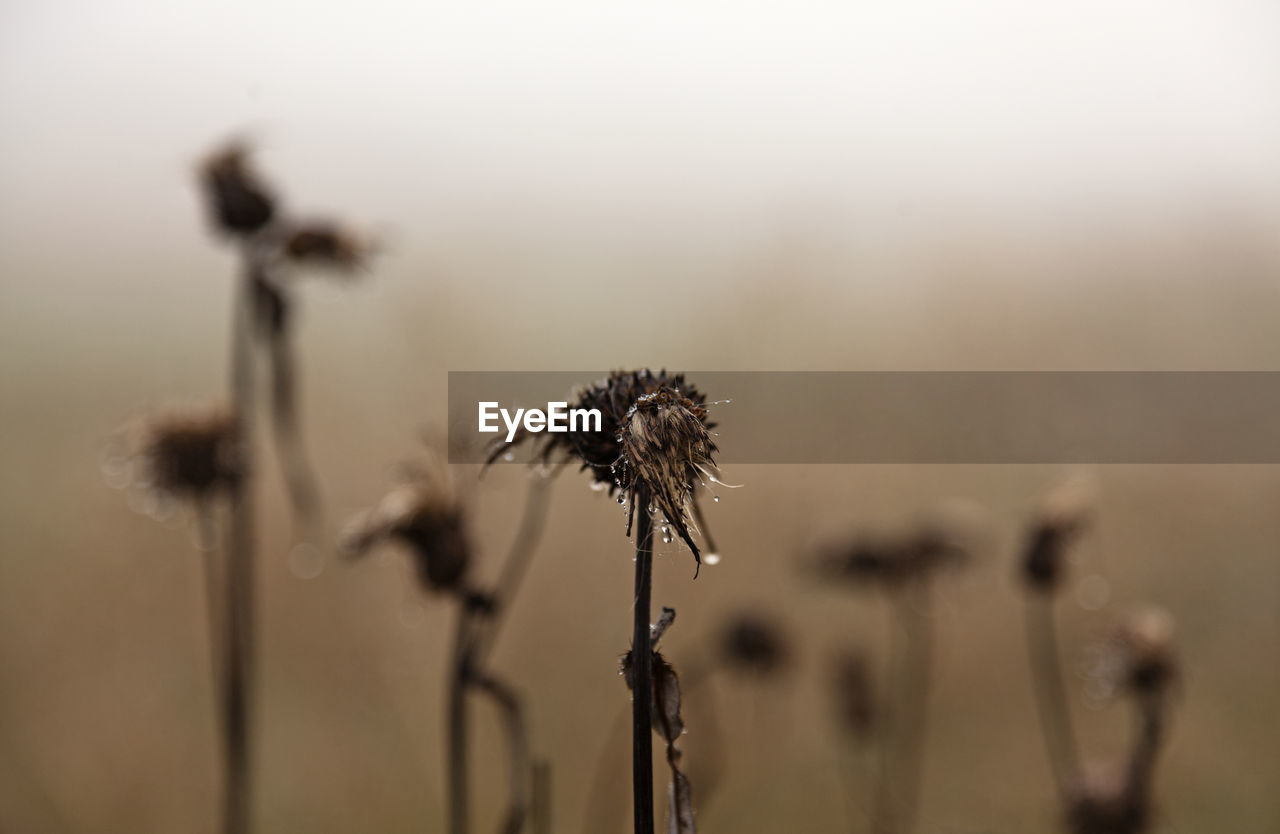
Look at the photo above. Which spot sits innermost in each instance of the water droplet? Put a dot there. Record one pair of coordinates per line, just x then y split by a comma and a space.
306, 561
599, 486
653, 510
712, 558
622, 499
715, 498
508, 456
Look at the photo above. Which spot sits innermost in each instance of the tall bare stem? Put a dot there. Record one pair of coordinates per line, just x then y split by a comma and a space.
642, 656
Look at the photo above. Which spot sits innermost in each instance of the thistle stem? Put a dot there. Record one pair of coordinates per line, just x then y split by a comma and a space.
915, 694
459, 786
518, 750
238, 645
1051, 701
642, 659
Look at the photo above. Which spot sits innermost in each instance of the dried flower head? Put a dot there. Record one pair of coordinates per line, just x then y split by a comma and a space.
655, 436
754, 643
325, 244
1144, 643
188, 453
666, 451
426, 515
239, 203
892, 562
1064, 514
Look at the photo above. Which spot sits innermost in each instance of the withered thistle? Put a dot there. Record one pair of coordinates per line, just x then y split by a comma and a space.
190, 453
427, 516
654, 447
240, 204
655, 436
197, 455
243, 208
1116, 798
753, 643
903, 567
1059, 522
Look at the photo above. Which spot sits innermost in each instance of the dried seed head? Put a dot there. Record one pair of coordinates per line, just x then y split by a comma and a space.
1064, 514
891, 563
852, 691
666, 451
654, 434
1103, 801
187, 453
326, 244
755, 644
1144, 640
426, 515
239, 203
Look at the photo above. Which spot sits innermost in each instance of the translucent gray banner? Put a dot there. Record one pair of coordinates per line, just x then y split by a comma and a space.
931, 417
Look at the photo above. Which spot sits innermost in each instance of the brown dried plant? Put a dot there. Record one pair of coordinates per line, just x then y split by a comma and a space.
654, 448
427, 516
903, 568
1096, 798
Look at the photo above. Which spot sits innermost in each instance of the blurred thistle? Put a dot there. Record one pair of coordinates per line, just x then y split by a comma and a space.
239, 203
188, 453
1063, 515
1117, 798
1143, 640
326, 244
426, 515
753, 643
903, 567
241, 206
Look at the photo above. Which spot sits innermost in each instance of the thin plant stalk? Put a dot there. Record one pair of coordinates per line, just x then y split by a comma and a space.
473, 640
642, 658
299, 475
528, 535
207, 541
518, 750
902, 747
460, 673
1050, 692
238, 645
915, 692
